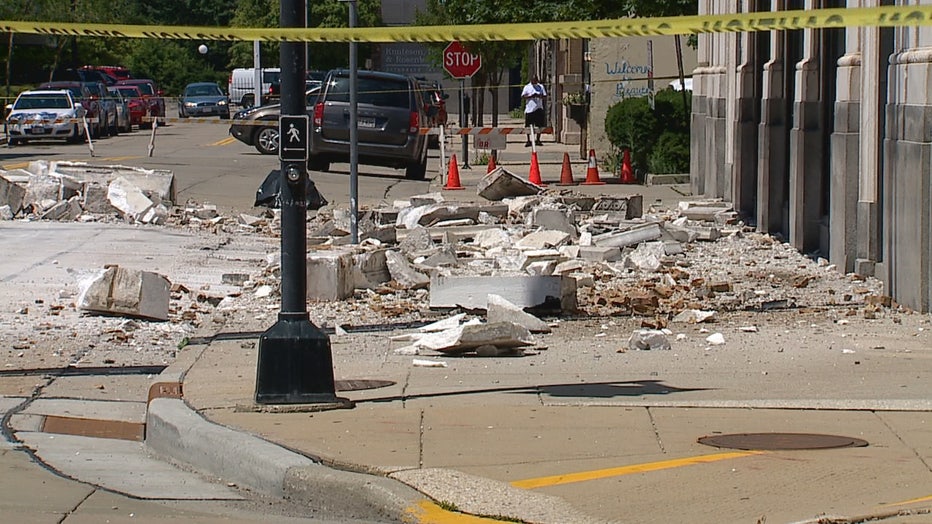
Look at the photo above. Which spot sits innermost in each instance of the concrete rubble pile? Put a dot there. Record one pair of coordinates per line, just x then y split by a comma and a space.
521, 254
70, 191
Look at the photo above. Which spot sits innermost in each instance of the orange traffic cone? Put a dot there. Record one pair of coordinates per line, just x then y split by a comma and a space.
453, 175
592, 172
566, 175
492, 165
627, 174
534, 176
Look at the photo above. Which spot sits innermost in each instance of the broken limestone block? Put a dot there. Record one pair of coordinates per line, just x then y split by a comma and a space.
425, 199
501, 310
95, 200
600, 253
694, 316
553, 219
6, 213
630, 206
403, 273
501, 184
521, 205
65, 211
645, 339
156, 214
129, 292
128, 198
329, 276
552, 292
417, 239
716, 339
492, 237
498, 334
647, 256
443, 256
370, 269
569, 266
543, 239
206, 212
540, 267
383, 234
636, 235
12, 195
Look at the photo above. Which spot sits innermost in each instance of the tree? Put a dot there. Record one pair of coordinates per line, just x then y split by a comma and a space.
324, 13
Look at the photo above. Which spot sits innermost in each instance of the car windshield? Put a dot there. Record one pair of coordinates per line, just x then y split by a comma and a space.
94, 89
42, 102
203, 90
372, 91
271, 77
129, 91
146, 89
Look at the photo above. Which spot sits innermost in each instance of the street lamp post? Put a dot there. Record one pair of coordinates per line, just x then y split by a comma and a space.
354, 131
295, 365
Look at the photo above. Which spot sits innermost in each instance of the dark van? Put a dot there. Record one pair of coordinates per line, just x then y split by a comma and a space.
390, 113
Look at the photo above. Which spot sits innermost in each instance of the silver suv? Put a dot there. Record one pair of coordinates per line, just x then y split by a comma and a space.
390, 113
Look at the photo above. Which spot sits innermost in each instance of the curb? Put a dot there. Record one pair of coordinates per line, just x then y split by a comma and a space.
177, 432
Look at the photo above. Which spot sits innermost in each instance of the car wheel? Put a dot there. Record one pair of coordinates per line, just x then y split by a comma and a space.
114, 129
267, 140
15, 141
417, 171
224, 116
247, 100
318, 164
181, 114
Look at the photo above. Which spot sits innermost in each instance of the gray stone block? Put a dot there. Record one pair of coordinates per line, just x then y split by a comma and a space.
329, 276
550, 292
127, 292
11, 194
501, 184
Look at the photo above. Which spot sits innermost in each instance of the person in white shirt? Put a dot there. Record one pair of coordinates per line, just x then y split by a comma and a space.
534, 95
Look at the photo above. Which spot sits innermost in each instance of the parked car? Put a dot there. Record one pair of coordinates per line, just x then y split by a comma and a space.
155, 104
80, 92
108, 109
83, 74
390, 113
116, 73
44, 114
258, 126
137, 104
242, 84
124, 118
203, 99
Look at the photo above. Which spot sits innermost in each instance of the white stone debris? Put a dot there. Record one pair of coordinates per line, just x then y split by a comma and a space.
646, 339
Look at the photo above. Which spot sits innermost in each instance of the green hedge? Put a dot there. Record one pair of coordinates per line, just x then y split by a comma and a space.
657, 138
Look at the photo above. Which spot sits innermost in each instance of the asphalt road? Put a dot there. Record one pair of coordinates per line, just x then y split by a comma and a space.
211, 166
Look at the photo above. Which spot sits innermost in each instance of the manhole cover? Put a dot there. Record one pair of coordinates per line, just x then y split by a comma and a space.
781, 441
358, 385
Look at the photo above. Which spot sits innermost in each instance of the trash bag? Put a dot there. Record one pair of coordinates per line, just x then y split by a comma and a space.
269, 193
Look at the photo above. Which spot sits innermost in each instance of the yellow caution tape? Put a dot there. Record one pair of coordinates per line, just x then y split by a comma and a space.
885, 16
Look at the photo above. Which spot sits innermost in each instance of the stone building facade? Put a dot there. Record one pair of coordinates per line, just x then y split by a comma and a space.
824, 137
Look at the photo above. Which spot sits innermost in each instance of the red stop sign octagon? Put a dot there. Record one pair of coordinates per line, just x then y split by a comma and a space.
459, 62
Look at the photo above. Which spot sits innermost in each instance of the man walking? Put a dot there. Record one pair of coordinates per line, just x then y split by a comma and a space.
534, 115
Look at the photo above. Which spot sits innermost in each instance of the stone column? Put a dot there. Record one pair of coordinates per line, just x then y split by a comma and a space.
806, 160
746, 122
907, 172
772, 146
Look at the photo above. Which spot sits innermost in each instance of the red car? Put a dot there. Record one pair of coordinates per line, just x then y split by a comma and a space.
150, 93
137, 104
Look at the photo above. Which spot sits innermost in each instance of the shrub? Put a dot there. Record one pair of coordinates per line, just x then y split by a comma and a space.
658, 138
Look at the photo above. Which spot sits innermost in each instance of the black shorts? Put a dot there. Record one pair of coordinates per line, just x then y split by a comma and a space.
536, 118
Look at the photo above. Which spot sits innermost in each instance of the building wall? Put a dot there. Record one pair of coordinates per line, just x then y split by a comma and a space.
840, 165
629, 67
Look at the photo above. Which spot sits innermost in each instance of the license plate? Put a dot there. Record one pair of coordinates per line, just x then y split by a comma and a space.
366, 122
38, 130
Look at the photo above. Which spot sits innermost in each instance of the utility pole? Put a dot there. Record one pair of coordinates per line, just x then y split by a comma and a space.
295, 365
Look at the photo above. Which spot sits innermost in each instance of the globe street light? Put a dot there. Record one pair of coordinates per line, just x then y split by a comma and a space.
202, 49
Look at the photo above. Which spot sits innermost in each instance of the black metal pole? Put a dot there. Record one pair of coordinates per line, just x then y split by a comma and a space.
295, 364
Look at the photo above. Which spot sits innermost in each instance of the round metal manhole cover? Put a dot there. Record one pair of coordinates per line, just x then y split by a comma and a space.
358, 385
781, 441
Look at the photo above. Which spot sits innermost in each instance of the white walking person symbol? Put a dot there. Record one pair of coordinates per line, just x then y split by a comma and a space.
293, 135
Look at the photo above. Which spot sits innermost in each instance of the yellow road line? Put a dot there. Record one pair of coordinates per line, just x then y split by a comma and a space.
119, 158
225, 141
18, 165
428, 512
906, 502
583, 476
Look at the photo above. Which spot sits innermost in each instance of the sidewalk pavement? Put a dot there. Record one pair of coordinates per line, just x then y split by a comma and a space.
574, 433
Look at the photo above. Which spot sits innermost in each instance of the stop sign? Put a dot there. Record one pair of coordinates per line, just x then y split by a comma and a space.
459, 62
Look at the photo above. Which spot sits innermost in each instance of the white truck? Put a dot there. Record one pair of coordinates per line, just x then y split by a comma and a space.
242, 88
